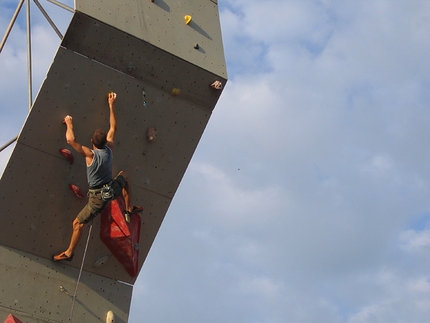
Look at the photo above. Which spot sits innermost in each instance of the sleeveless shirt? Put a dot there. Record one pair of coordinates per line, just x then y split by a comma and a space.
99, 172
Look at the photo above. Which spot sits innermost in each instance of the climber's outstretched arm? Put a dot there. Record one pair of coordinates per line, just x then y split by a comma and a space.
70, 137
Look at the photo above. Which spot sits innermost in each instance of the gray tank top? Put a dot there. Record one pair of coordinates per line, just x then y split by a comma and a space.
100, 170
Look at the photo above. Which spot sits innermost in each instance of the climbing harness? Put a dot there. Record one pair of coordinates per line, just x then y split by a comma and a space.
108, 194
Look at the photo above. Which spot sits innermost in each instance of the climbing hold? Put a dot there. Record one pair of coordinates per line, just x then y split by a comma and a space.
110, 317
12, 319
187, 19
67, 154
113, 93
66, 117
217, 85
131, 67
119, 236
144, 98
151, 134
101, 261
175, 91
77, 191
196, 46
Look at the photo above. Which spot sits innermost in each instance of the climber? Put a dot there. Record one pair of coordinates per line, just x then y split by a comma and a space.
102, 188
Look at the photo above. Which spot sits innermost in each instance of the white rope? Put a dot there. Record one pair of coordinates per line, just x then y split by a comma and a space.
80, 273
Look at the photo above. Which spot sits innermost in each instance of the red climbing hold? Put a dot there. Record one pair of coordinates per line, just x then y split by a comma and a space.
77, 191
12, 319
121, 238
67, 154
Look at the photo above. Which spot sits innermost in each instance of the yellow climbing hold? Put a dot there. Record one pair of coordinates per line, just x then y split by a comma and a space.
188, 19
175, 91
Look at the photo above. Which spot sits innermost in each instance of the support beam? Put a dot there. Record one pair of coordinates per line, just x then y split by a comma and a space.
29, 59
12, 22
45, 14
8, 144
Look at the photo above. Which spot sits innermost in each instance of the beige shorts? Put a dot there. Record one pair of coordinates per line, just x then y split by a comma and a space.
95, 203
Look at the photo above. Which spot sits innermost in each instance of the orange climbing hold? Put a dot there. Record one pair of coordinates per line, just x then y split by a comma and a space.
67, 154
217, 85
77, 191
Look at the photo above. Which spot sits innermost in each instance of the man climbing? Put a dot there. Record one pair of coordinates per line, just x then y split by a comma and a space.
99, 174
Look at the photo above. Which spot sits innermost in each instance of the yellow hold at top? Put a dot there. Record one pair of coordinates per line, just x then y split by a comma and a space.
188, 19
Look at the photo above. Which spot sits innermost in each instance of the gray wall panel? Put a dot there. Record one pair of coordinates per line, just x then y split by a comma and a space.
141, 50
32, 291
161, 23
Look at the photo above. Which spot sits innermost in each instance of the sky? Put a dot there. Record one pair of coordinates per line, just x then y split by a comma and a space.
307, 199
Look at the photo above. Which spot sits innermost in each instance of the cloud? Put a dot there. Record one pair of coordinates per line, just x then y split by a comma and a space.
415, 241
404, 299
331, 132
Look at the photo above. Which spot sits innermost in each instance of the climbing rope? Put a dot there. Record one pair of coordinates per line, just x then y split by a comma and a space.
80, 273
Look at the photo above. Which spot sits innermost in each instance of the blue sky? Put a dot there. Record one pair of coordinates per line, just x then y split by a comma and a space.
307, 198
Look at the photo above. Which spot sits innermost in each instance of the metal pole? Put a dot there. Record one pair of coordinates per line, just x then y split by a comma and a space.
48, 18
29, 73
8, 144
62, 5
9, 28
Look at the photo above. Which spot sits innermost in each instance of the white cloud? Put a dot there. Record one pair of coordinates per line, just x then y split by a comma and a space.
420, 285
415, 240
261, 286
234, 207
403, 299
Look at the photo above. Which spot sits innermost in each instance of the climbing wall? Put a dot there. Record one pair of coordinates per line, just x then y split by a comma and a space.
160, 57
